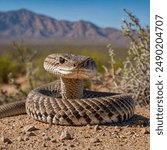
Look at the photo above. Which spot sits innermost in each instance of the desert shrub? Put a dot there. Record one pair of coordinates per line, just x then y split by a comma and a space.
25, 62
8, 65
25, 57
31, 62
136, 71
134, 75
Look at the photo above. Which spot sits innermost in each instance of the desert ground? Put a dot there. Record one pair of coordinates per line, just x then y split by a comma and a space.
24, 133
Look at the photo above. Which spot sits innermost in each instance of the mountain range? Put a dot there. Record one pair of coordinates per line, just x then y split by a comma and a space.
37, 28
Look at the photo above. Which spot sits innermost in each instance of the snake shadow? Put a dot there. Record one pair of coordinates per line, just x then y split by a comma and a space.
136, 120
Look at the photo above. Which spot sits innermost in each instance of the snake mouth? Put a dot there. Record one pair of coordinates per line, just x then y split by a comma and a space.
78, 73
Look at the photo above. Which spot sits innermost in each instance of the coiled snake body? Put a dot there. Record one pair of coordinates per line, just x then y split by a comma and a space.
65, 102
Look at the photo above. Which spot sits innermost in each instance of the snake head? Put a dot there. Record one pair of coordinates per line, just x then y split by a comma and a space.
70, 66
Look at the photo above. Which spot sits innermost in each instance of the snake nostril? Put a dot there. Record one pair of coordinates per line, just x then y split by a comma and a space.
74, 65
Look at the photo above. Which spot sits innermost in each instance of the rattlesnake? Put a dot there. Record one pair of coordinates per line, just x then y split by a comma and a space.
65, 102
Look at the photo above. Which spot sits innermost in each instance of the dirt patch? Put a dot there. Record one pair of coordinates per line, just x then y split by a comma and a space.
22, 132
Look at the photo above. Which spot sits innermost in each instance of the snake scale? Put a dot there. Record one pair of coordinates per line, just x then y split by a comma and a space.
66, 102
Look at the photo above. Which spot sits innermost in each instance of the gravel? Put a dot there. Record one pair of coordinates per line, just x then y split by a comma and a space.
22, 132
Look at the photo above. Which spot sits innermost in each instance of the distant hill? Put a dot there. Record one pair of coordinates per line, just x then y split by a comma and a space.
37, 28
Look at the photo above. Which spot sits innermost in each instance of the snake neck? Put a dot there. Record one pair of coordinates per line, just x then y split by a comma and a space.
71, 88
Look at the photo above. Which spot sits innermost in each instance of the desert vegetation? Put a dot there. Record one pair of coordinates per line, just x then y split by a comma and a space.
134, 74
121, 70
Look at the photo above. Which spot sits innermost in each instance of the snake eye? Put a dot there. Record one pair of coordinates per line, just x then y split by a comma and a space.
61, 60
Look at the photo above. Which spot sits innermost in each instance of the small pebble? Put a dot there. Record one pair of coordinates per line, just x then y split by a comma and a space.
88, 126
20, 138
30, 134
5, 140
145, 131
43, 133
95, 140
54, 140
96, 128
72, 145
29, 128
47, 138
65, 135
26, 138
44, 145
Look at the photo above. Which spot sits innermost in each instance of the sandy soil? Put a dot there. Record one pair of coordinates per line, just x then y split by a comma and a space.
24, 133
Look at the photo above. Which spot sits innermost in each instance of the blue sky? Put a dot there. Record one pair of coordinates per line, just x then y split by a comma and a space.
104, 13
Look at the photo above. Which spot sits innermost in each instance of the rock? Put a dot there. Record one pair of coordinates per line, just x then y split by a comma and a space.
72, 145
25, 138
28, 128
117, 129
44, 145
30, 134
5, 140
20, 138
43, 134
115, 134
123, 137
65, 135
132, 132
86, 136
47, 138
95, 140
96, 128
145, 131
54, 140
103, 134
63, 144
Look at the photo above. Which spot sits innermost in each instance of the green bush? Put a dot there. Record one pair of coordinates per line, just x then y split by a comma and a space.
8, 65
